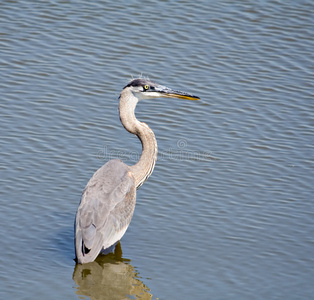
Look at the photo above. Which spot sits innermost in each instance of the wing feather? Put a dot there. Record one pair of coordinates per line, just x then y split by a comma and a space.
105, 211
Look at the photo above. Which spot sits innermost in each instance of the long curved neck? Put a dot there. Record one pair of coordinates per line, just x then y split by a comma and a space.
145, 166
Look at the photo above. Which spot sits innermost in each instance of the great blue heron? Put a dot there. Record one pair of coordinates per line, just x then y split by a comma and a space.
108, 200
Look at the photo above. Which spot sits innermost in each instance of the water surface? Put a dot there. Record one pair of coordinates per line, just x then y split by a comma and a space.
228, 212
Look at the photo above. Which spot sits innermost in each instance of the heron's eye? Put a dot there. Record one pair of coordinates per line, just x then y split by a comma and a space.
146, 87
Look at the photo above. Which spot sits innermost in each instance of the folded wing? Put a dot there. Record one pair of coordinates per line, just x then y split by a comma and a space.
105, 211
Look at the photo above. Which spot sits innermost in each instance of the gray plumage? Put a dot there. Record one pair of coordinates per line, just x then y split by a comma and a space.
108, 200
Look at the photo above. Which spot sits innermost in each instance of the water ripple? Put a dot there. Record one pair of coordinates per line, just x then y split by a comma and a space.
230, 200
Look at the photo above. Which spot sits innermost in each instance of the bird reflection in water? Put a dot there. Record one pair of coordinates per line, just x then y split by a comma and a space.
110, 277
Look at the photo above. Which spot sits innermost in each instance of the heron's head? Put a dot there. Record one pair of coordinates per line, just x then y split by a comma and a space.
146, 89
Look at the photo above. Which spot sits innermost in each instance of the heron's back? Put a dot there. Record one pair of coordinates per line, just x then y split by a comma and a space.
105, 211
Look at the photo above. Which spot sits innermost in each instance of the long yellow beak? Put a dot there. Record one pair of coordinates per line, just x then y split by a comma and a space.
169, 93
181, 96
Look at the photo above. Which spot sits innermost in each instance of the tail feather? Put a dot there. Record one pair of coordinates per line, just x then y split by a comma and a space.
83, 253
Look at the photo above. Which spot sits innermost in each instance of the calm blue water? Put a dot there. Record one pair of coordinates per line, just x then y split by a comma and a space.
228, 212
